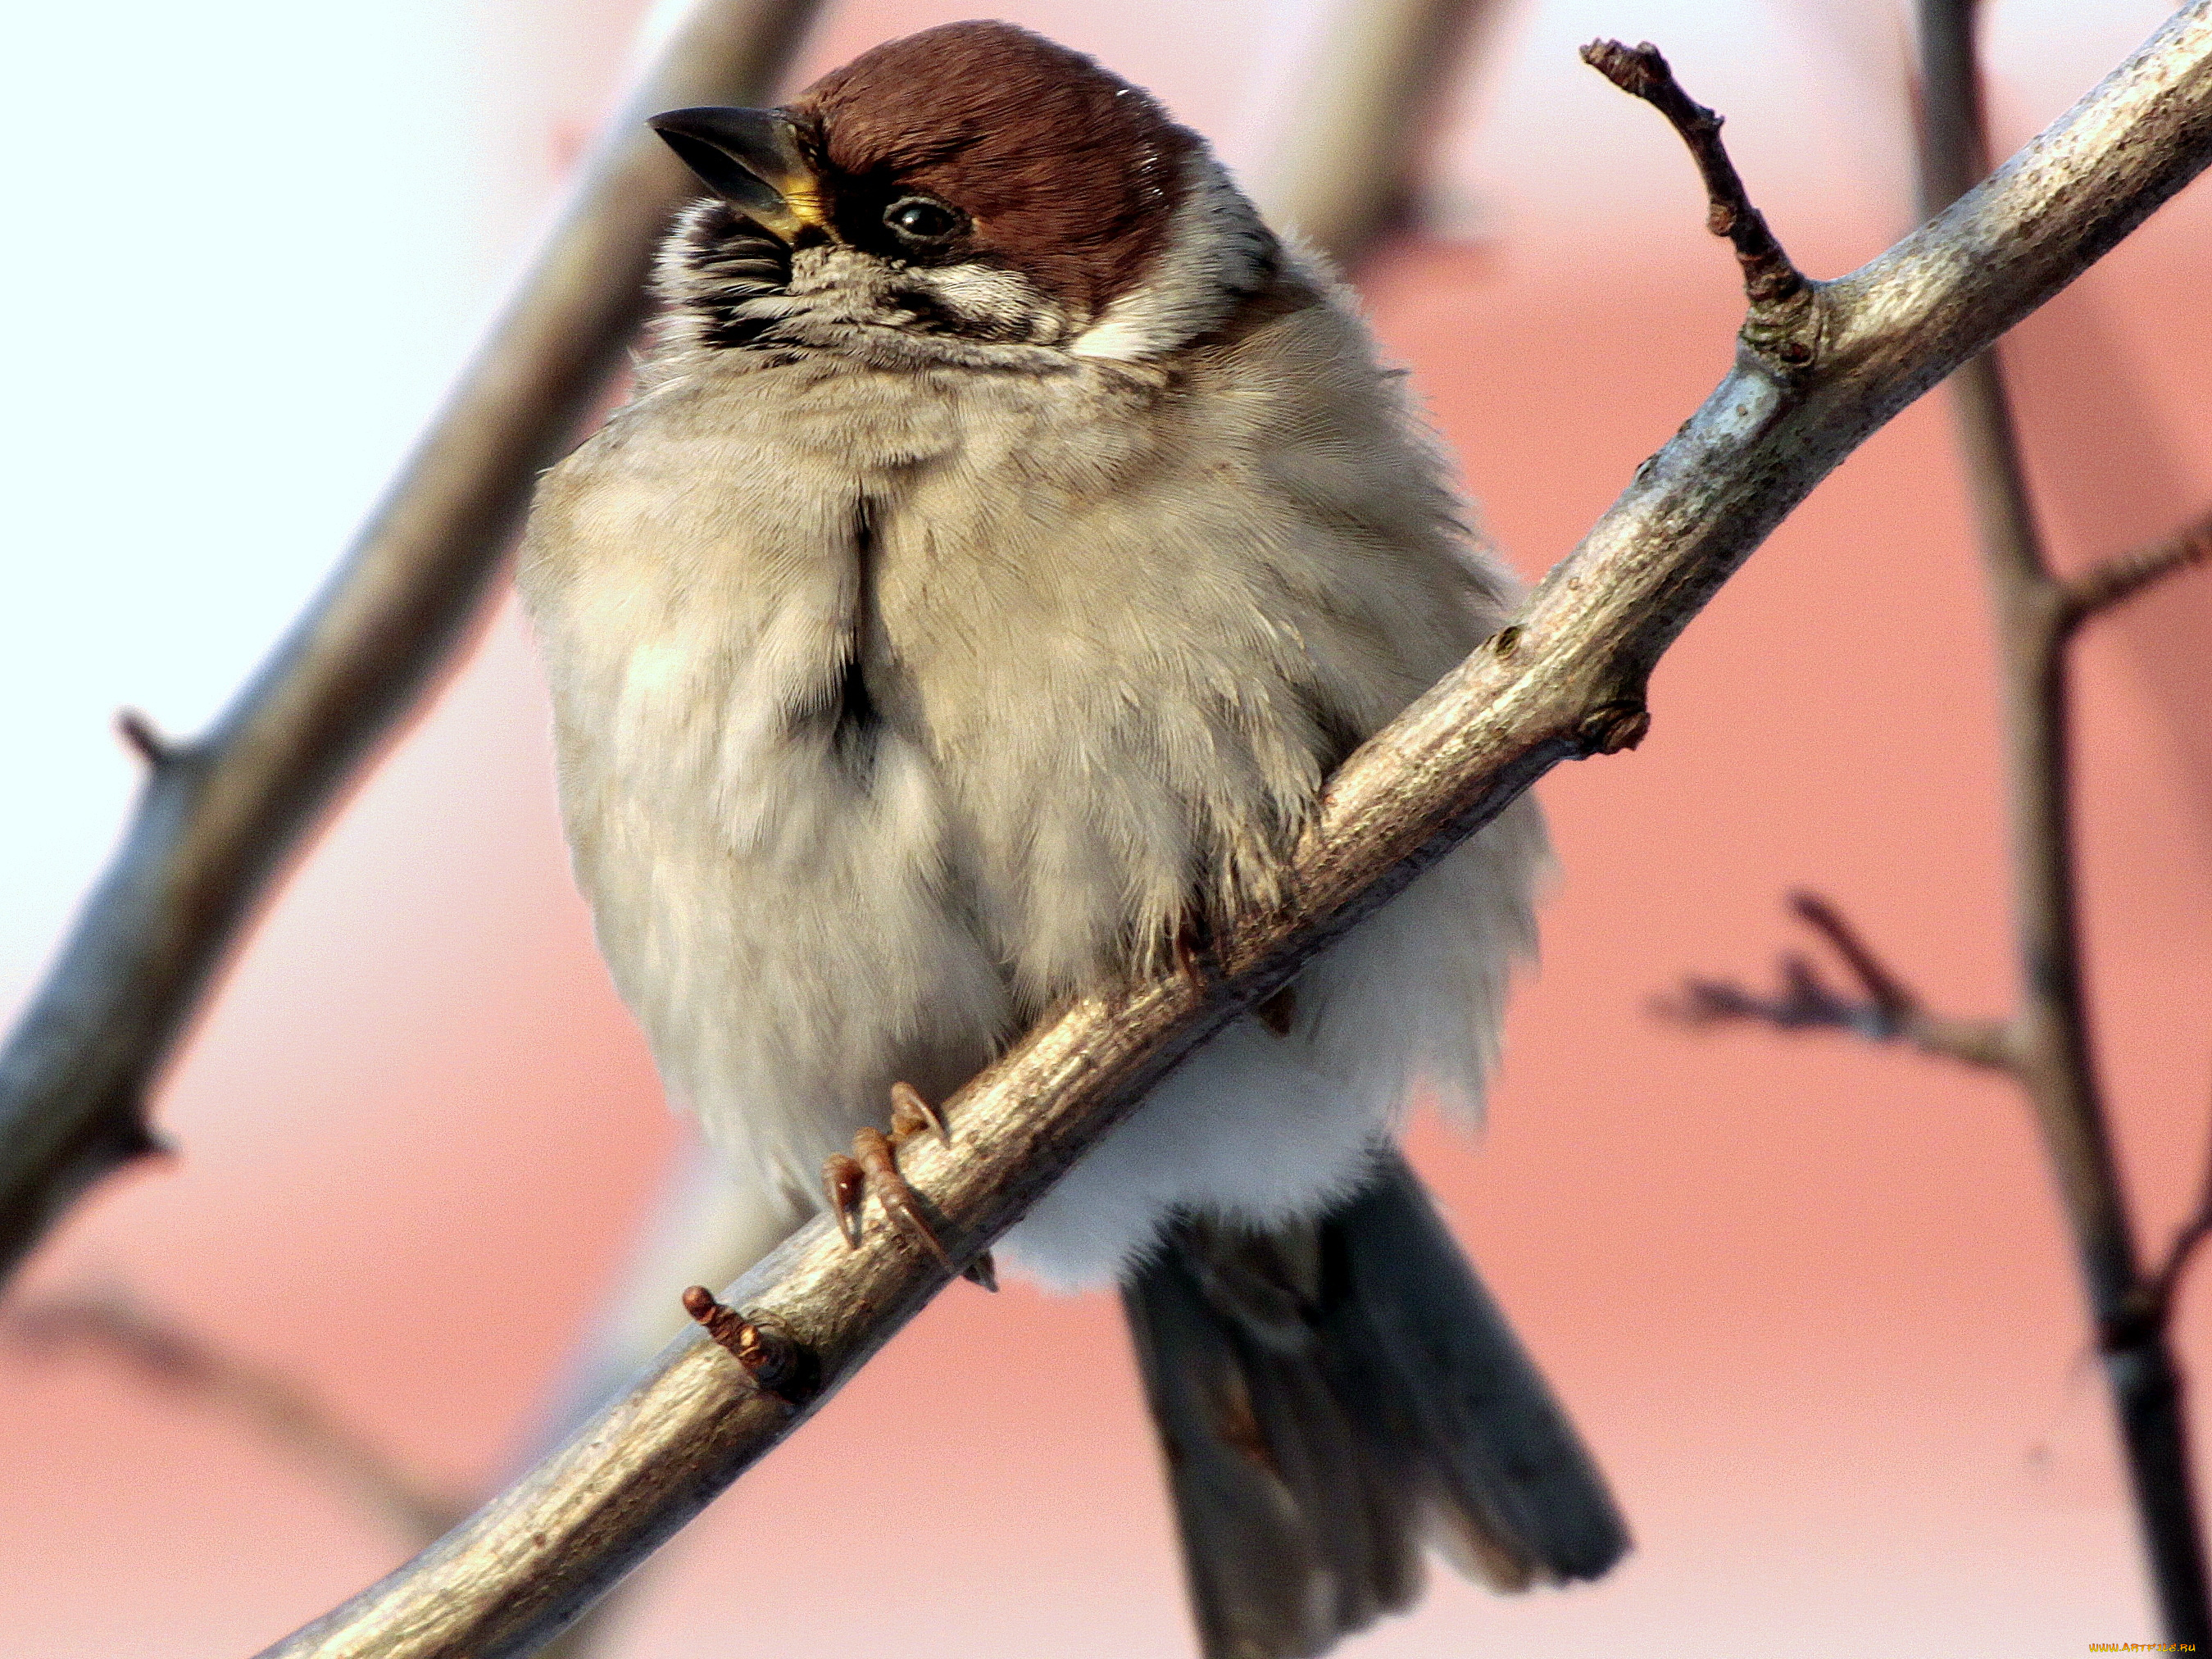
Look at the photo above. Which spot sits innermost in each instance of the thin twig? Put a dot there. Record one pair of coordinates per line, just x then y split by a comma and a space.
164, 1354
1570, 684
1888, 1012
2050, 1036
1887, 992
219, 817
2119, 579
167, 1356
2164, 1283
1770, 280
1806, 1002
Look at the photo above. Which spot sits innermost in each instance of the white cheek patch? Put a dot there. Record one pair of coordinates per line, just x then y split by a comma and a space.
1215, 250
987, 302
997, 299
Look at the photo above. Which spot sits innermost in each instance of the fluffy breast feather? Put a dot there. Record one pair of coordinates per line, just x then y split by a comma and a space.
1111, 627
1141, 617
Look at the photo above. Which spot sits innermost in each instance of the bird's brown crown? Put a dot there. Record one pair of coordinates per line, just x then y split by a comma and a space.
1067, 172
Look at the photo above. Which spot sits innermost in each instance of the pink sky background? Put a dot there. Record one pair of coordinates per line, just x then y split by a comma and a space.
1812, 1303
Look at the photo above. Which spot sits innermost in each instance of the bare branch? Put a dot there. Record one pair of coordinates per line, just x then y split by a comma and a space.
1888, 1012
165, 1355
1953, 153
1771, 282
1887, 994
2050, 1046
1806, 1002
1566, 680
2163, 1285
1346, 174
218, 819
2119, 579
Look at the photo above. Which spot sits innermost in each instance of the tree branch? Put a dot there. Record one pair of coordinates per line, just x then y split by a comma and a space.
1890, 1012
165, 1355
219, 817
2119, 579
1566, 680
2049, 1038
1346, 174
2163, 1284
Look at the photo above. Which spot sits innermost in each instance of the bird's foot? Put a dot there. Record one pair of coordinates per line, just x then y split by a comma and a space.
1194, 949
874, 1163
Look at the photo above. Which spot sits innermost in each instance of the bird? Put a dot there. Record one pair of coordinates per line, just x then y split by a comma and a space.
1008, 534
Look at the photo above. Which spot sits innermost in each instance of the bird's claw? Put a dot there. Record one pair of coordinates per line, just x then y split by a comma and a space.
1194, 947
873, 1163
844, 1185
912, 1112
879, 1164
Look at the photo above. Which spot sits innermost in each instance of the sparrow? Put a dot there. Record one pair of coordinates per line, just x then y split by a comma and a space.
1008, 534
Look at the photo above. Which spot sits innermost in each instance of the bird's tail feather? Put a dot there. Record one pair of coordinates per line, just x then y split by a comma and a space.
1332, 1394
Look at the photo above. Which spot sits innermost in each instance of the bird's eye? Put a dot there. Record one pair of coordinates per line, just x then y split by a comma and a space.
922, 219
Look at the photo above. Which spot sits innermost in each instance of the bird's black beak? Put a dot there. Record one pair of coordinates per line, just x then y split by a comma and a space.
752, 159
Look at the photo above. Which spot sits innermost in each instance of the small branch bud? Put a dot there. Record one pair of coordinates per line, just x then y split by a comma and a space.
135, 1138
1614, 726
775, 1364
148, 744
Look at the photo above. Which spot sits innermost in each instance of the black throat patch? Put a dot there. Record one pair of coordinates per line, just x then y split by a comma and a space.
730, 260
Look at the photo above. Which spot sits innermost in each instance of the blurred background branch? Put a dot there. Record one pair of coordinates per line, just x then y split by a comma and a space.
1886, 1011
1525, 485
2049, 1032
160, 1351
220, 816
2046, 1045
1347, 172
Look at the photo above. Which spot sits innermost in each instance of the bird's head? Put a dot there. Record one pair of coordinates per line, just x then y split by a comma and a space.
972, 193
